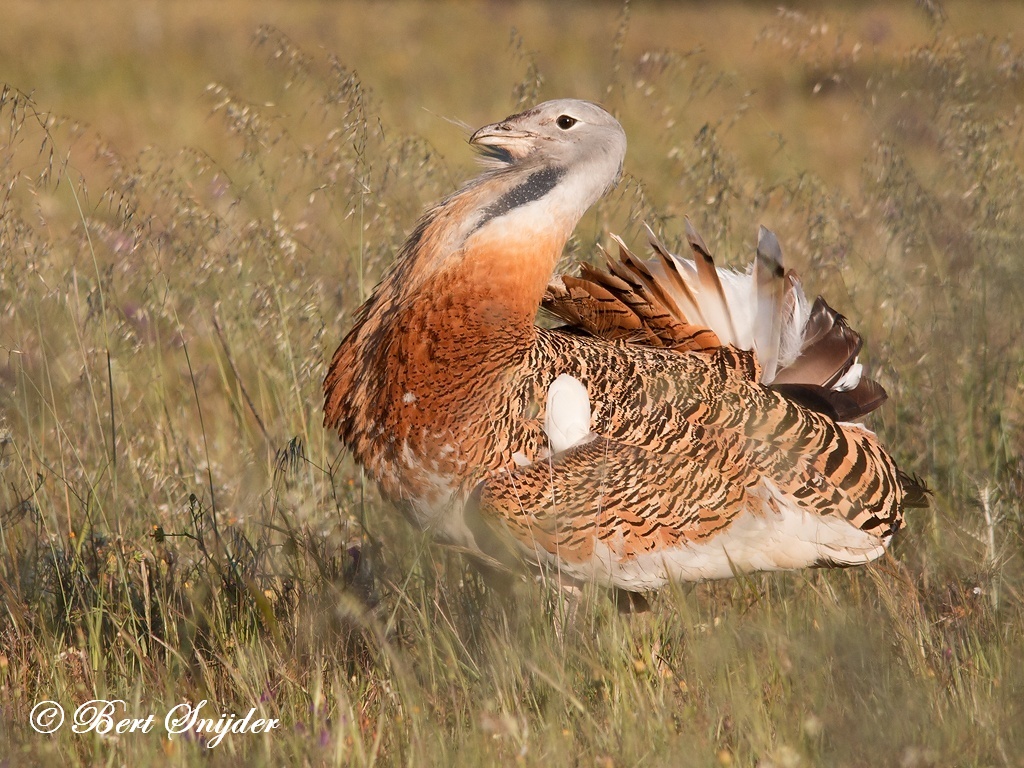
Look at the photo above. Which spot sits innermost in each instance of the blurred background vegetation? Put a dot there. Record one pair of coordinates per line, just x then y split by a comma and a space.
195, 199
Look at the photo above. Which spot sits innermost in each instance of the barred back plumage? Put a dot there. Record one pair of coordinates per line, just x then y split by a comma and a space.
687, 422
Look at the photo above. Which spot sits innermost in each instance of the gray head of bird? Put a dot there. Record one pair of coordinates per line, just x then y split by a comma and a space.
577, 138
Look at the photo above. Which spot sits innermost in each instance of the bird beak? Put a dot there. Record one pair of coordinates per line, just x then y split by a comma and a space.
502, 141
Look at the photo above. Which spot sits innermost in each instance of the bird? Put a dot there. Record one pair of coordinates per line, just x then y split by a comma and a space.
683, 422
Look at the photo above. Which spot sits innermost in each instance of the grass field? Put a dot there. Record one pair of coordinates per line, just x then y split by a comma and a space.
196, 197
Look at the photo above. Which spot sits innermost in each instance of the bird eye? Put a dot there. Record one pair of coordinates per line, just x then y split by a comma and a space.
565, 122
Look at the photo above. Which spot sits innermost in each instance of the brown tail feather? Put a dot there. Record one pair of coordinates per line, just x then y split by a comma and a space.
829, 349
840, 405
626, 302
769, 277
915, 492
587, 305
715, 306
654, 302
652, 280
675, 283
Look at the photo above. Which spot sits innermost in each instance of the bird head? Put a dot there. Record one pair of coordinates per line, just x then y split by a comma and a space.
568, 151
565, 132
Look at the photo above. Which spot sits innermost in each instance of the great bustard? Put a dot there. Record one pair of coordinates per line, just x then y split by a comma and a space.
687, 423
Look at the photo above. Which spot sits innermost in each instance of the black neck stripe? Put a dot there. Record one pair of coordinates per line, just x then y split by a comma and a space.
536, 186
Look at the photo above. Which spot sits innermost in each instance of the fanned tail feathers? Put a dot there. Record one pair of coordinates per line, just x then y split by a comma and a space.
806, 351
